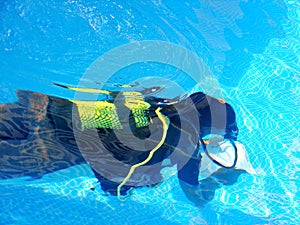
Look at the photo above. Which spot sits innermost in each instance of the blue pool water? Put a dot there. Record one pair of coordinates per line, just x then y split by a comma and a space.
252, 48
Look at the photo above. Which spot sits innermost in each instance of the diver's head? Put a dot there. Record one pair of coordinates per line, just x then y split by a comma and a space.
216, 116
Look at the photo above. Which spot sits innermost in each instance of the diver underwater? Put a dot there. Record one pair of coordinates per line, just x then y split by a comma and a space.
126, 139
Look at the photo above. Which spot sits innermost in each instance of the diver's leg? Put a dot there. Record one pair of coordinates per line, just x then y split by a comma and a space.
29, 142
20, 118
12, 123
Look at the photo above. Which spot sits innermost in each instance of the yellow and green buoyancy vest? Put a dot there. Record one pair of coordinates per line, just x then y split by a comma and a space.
103, 114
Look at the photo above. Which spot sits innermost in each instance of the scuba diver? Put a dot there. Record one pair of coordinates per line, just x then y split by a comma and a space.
127, 139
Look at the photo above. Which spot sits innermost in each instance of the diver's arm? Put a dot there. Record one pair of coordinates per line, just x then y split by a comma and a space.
202, 192
188, 179
188, 175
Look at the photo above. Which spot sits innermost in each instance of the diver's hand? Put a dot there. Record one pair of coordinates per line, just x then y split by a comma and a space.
205, 191
227, 176
201, 193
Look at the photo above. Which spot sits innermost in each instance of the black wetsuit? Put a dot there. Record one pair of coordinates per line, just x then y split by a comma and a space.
47, 129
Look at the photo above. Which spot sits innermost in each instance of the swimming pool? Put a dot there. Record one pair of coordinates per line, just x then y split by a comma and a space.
250, 47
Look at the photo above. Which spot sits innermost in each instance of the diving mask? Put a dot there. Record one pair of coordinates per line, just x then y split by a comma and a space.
220, 150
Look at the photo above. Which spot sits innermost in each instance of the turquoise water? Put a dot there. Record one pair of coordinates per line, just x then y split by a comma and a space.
252, 49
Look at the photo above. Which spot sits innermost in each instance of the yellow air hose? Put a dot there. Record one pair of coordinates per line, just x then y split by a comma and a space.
165, 122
